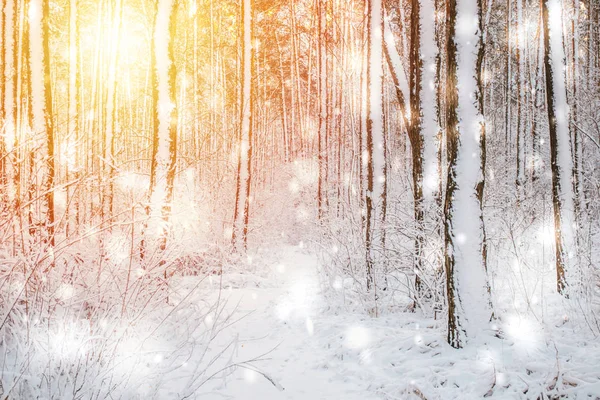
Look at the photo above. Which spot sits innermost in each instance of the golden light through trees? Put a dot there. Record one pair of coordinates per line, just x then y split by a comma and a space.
436, 156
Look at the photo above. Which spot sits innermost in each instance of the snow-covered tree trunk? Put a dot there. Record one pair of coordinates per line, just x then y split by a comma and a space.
363, 155
284, 112
469, 308
520, 106
423, 127
8, 114
375, 197
2, 42
576, 137
538, 104
561, 163
72, 113
242, 197
110, 112
43, 129
297, 116
509, 80
321, 146
164, 151
394, 62
592, 48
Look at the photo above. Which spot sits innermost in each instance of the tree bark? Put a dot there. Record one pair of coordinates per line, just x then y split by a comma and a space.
467, 287
164, 149
561, 163
244, 176
375, 197
42, 112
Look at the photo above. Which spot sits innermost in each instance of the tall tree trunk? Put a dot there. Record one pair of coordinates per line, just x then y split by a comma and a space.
507, 89
576, 135
2, 67
43, 128
111, 113
73, 108
8, 114
561, 163
242, 200
520, 106
469, 307
322, 137
423, 127
375, 196
164, 150
538, 101
399, 79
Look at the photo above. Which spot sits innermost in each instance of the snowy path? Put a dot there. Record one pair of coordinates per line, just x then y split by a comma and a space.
283, 319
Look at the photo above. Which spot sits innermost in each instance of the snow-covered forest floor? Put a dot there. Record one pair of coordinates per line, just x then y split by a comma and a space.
290, 319
276, 327
283, 324
289, 342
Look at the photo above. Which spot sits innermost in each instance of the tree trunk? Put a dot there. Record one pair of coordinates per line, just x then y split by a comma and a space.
111, 114
8, 114
242, 200
423, 127
561, 163
375, 197
43, 128
73, 107
322, 137
468, 293
164, 150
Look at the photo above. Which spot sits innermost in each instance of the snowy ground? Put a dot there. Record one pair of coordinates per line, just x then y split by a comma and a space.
305, 348
282, 322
